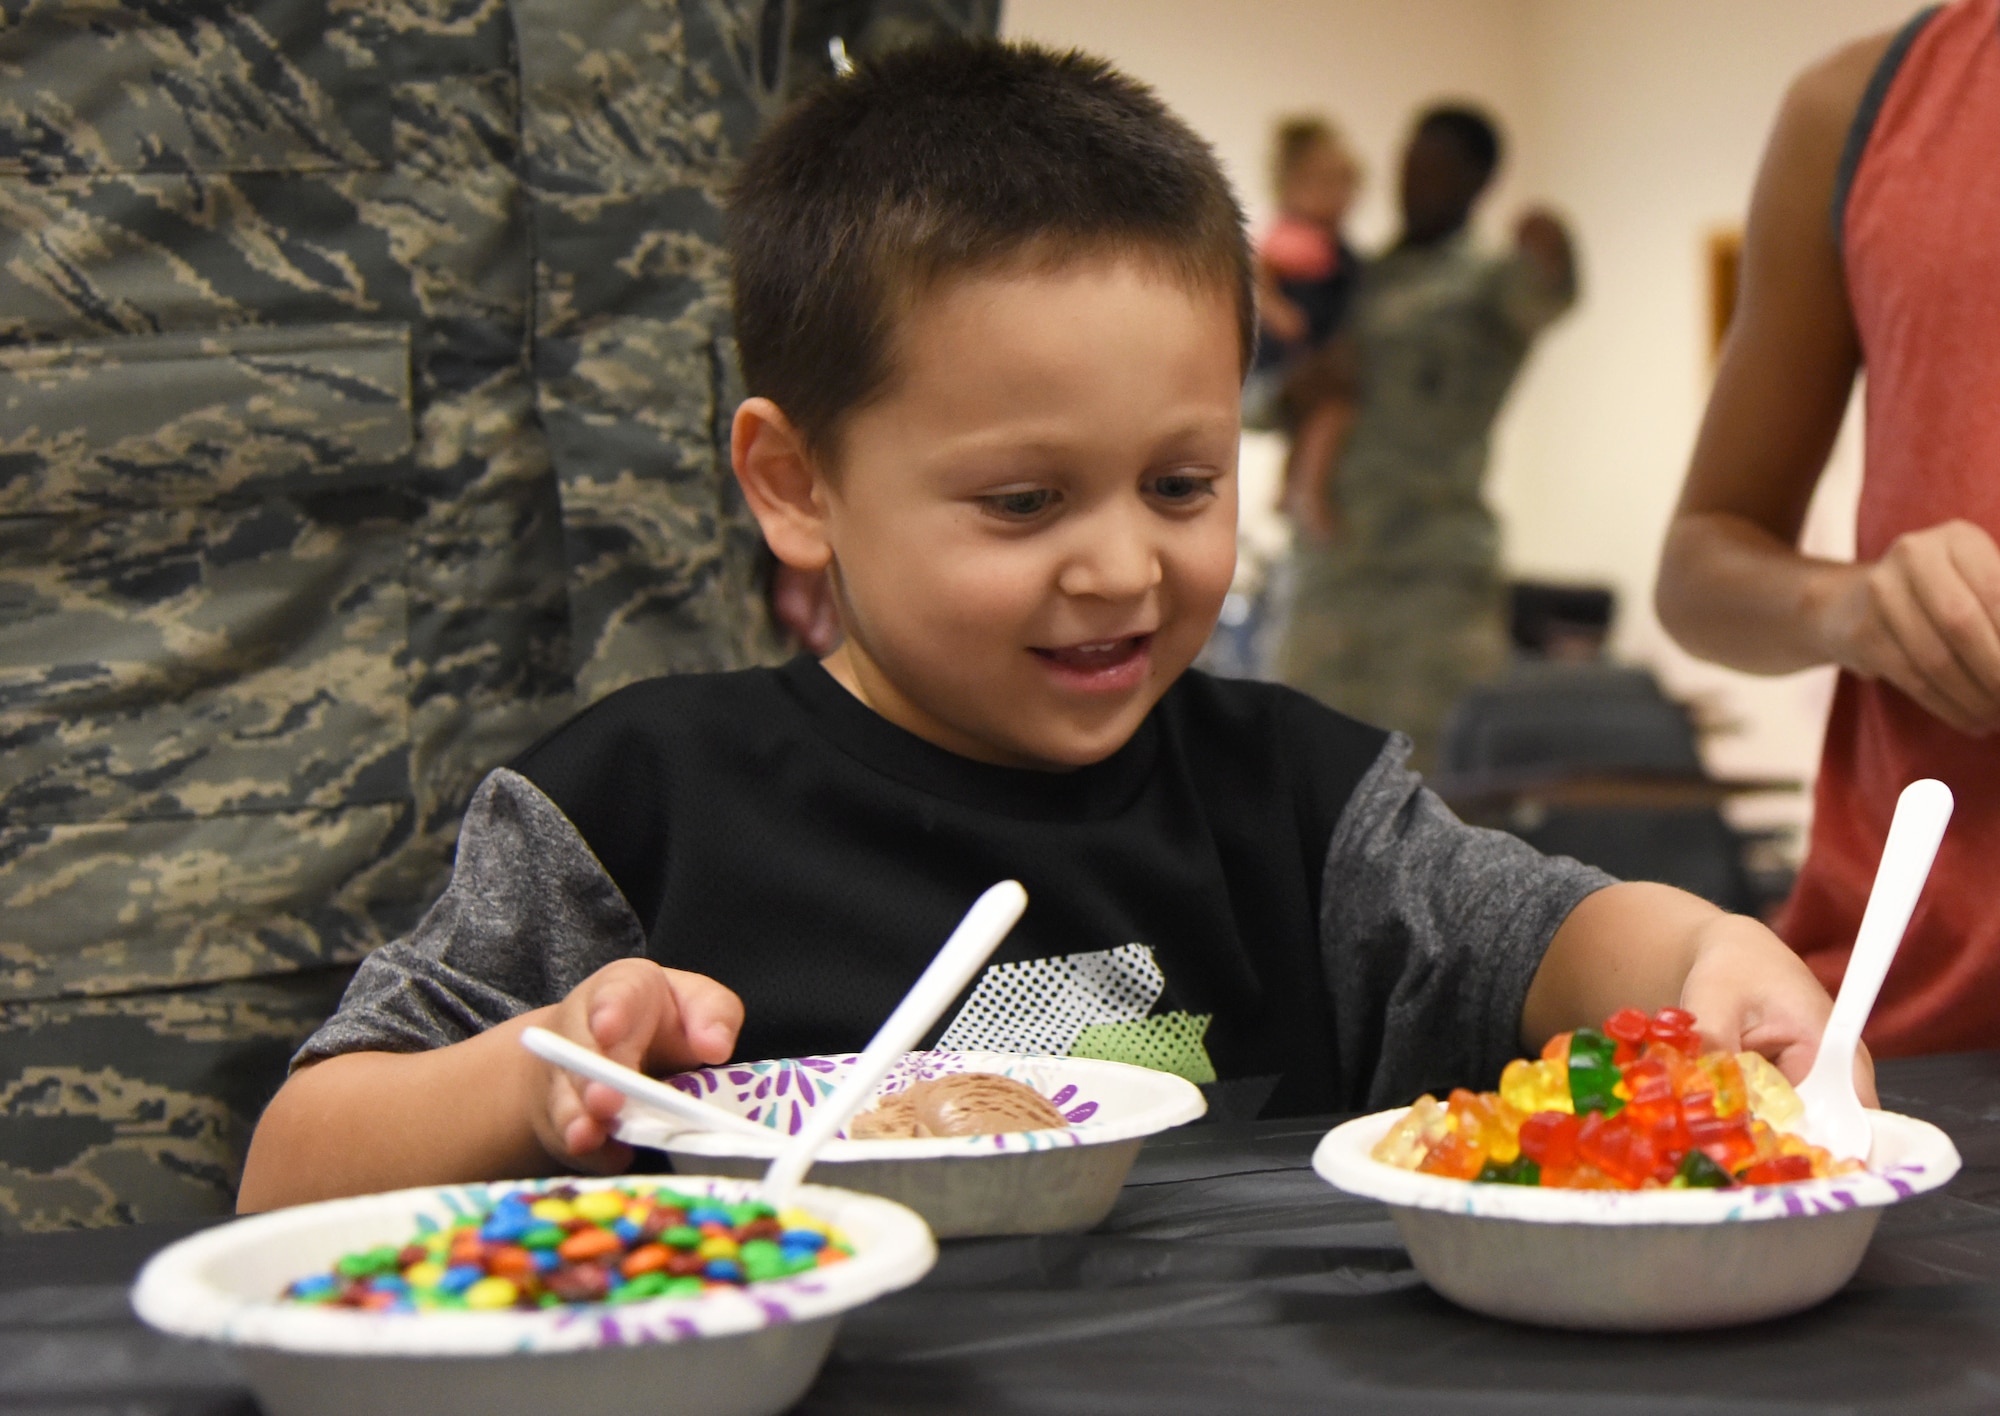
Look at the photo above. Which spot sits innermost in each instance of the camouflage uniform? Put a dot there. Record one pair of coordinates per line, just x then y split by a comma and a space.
1403, 611
365, 376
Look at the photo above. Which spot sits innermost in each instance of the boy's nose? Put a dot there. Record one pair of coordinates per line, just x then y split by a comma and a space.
1110, 561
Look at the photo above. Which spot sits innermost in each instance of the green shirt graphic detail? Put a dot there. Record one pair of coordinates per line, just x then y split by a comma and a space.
1172, 1042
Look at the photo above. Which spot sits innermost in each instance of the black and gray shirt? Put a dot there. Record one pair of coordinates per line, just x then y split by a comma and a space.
1254, 890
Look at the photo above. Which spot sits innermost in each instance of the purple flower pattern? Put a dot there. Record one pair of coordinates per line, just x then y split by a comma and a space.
780, 1093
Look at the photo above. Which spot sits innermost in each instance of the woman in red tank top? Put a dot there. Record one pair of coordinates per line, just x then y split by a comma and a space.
1897, 140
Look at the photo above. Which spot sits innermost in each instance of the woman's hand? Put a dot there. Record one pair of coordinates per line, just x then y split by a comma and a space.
1925, 618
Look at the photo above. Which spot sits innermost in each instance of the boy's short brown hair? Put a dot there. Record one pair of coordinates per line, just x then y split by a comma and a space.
943, 160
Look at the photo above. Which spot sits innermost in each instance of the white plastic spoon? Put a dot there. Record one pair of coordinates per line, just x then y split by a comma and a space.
1834, 1117
553, 1047
962, 956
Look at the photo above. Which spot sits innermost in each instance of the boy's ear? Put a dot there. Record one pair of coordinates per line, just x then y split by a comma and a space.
782, 483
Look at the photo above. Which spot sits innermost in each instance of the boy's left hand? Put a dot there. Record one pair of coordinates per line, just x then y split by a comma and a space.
1750, 993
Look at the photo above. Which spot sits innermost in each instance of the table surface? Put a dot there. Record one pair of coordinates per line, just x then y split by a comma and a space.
1228, 1278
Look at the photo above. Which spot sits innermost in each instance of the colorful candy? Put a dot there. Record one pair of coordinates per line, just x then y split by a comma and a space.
1636, 1105
565, 1245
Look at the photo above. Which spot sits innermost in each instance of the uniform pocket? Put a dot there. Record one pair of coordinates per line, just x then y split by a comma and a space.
203, 650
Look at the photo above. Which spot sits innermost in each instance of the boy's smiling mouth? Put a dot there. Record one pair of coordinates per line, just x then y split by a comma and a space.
1101, 665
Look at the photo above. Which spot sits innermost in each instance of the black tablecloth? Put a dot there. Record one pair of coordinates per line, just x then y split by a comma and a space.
1229, 1278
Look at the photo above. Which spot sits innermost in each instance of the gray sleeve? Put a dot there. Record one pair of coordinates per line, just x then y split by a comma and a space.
1430, 932
528, 915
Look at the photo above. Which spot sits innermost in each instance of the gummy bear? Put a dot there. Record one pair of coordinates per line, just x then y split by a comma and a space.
1769, 1096
1458, 1155
1698, 1172
1536, 1086
1654, 1110
1727, 1076
1778, 1170
1607, 1143
1410, 1139
1593, 1078
1627, 1029
1480, 1133
1549, 1139
1674, 1027
1521, 1171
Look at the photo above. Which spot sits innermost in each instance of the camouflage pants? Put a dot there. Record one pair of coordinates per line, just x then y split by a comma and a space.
1396, 648
139, 1106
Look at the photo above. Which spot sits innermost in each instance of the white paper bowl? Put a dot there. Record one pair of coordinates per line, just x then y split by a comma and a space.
1639, 1260
747, 1353
1023, 1182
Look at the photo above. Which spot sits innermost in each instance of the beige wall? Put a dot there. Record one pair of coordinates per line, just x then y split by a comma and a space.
1231, 66
1642, 120
1647, 126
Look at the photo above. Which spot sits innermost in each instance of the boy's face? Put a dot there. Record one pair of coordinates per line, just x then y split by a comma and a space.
1033, 531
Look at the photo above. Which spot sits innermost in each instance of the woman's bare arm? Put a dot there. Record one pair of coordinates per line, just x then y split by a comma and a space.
1733, 587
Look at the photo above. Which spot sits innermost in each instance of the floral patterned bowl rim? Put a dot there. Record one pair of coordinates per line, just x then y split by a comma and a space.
1908, 1158
1103, 1102
221, 1285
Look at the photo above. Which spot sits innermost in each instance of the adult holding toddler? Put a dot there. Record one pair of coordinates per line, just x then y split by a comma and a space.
1398, 605
995, 308
1874, 239
1300, 377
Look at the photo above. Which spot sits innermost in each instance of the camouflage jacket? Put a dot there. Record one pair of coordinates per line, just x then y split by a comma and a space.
365, 377
364, 387
1442, 332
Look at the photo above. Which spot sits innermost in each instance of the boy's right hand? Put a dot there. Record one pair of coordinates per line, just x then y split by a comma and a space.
655, 1020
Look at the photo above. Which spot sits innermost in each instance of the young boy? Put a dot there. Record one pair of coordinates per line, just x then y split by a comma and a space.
994, 307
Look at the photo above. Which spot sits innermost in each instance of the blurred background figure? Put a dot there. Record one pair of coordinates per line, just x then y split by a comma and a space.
1397, 597
1306, 277
1874, 240
366, 374
1305, 268
1296, 398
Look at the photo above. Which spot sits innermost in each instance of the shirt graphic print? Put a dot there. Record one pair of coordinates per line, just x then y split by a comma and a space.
1082, 1005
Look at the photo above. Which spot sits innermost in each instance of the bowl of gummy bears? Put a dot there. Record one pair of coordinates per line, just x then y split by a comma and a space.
589, 1297
978, 1143
1629, 1180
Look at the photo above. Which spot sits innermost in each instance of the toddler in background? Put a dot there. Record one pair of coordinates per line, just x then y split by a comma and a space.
1301, 378
1305, 268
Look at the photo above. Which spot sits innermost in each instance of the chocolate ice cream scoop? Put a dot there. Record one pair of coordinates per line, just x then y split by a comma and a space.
891, 1118
963, 1104
979, 1104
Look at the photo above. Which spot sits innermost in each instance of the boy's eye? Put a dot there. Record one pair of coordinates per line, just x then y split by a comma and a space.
1183, 487
1020, 506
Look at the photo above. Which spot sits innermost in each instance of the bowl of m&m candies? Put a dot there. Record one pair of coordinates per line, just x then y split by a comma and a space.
1629, 1179
589, 1297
